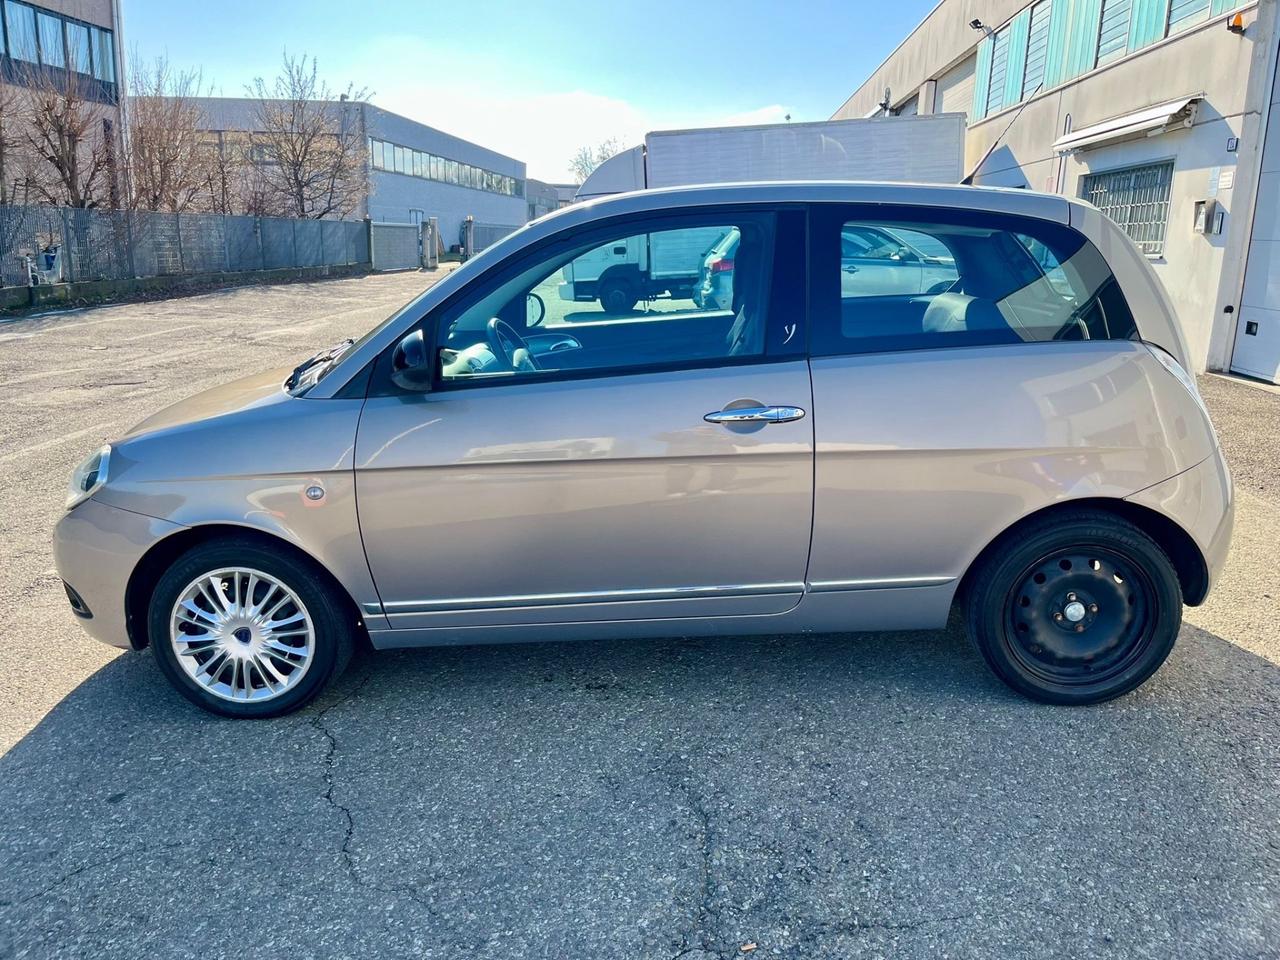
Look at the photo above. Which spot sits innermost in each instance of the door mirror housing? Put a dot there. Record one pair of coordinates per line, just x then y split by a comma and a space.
411, 366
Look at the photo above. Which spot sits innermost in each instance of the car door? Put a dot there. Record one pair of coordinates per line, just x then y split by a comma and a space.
570, 471
943, 418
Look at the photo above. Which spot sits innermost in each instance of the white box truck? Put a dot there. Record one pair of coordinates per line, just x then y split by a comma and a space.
918, 149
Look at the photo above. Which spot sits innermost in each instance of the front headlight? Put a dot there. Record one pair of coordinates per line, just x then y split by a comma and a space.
89, 477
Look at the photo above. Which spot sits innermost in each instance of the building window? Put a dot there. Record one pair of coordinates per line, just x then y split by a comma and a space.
52, 53
1037, 49
78, 48
1186, 13
104, 54
1113, 36
1137, 198
999, 71
21, 22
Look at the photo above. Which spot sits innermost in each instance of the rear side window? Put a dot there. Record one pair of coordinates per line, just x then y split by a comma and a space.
903, 279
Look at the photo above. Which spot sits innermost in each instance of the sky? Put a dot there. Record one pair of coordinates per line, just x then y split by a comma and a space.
538, 80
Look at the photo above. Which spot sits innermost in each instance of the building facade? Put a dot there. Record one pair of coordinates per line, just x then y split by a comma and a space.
1157, 111
414, 171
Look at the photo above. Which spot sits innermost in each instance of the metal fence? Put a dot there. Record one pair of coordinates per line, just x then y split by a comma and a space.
69, 244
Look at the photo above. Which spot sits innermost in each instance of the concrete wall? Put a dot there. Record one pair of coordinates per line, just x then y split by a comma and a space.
941, 40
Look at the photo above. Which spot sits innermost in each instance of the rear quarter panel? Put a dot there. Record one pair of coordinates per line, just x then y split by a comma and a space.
925, 457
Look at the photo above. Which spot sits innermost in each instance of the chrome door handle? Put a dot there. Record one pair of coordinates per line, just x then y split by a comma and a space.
755, 415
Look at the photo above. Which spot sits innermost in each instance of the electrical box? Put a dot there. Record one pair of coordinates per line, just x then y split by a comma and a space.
1208, 217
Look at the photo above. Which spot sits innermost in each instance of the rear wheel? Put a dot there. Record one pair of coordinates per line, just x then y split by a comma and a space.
617, 295
246, 631
1075, 609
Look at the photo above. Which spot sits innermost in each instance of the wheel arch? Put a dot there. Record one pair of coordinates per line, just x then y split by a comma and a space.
147, 572
1183, 552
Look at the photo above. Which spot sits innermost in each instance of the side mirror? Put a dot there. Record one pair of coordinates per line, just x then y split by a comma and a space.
410, 364
535, 310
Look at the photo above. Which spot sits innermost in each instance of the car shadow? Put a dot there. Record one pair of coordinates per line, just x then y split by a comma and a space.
817, 796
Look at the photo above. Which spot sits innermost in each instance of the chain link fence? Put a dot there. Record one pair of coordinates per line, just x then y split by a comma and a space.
57, 244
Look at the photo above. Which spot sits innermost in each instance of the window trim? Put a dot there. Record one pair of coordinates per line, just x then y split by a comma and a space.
829, 218
789, 253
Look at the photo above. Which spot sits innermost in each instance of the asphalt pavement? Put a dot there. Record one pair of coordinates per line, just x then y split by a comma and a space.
835, 797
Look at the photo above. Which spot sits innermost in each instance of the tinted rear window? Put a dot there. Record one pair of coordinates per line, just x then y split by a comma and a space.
907, 280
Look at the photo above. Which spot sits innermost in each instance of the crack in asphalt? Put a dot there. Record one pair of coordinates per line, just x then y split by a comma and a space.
317, 722
85, 868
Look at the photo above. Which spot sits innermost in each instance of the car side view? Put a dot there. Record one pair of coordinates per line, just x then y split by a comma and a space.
996, 417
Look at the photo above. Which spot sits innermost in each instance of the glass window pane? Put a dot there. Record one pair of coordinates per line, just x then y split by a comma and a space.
978, 279
52, 52
716, 311
21, 22
78, 47
1113, 37
104, 55
1037, 49
1186, 13
999, 71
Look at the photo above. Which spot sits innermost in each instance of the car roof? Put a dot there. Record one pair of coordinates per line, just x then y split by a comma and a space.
1030, 203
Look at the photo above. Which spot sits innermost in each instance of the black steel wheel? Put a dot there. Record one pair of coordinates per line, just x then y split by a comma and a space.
1075, 609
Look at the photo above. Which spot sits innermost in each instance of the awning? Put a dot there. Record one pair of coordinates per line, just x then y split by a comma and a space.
1150, 122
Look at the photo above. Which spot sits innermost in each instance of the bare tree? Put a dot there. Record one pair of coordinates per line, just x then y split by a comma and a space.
68, 141
168, 156
308, 144
585, 161
14, 186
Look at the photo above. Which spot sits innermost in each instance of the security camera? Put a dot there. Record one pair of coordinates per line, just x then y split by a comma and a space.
976, 24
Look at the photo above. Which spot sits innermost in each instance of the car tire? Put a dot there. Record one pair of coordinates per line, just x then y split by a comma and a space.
1074, 609
616, 295
279, 649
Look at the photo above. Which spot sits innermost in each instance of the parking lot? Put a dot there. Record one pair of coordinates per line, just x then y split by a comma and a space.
844, 796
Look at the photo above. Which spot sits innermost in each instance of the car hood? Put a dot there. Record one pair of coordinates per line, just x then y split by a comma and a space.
258, 390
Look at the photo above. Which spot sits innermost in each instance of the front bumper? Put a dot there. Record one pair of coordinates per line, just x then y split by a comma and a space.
96, 548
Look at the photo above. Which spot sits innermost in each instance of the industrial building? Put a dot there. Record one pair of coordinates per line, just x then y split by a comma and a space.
416, 171
1160, 112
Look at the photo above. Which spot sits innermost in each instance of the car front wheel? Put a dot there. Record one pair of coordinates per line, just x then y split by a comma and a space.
1075, 609
243, 630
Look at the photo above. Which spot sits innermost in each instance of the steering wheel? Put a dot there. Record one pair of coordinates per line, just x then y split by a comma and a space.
506, 343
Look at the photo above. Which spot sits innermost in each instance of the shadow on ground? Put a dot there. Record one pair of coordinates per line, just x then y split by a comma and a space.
829, 797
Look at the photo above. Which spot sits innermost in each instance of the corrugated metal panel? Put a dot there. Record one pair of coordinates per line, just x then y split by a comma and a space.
1055, 60
1082, 41
956, 91
1186, 13
996, 88
1148, 21
1018, 29
1113, 39
1037, 48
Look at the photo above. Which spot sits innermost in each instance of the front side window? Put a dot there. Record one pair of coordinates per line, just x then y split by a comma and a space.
1137, 198
654, 298
961, 279
21, 23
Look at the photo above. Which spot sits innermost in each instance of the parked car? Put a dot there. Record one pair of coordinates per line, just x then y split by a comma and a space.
809, 458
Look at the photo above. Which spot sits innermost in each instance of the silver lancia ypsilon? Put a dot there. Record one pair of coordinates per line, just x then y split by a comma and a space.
904, 399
